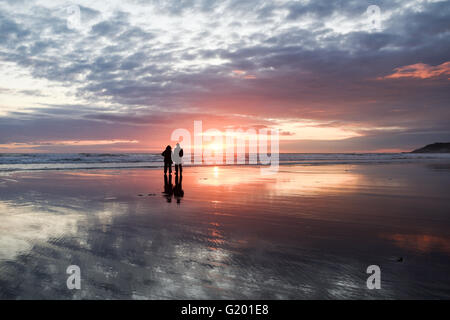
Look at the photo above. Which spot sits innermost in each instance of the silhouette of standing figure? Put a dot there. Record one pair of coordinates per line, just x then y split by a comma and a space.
177, 157
167, 154
168, 188
178, 189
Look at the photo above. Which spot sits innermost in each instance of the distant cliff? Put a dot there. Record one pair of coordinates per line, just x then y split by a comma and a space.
439, 147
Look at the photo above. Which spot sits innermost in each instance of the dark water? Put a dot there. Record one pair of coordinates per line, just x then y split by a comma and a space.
306, 232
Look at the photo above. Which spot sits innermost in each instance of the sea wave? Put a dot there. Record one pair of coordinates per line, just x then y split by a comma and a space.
53, 161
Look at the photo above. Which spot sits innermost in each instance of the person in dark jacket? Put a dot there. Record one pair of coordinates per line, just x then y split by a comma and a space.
167, 154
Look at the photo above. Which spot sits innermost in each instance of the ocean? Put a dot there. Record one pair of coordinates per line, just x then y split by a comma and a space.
69, 161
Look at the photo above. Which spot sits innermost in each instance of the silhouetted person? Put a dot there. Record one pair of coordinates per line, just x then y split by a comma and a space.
177, 158
178, 189
167, 154
168, 188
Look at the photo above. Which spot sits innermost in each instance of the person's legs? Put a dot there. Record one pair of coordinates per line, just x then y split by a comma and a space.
165, 167
176, 169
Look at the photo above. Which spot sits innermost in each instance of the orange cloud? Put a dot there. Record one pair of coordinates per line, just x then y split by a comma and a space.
89, 142
420, 71
66, 143
243, 74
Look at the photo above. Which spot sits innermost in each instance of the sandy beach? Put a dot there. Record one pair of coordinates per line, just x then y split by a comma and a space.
307, 232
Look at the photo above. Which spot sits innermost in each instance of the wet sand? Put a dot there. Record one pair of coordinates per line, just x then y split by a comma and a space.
307, 232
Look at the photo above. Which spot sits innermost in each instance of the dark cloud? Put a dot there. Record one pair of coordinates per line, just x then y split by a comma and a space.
10, 31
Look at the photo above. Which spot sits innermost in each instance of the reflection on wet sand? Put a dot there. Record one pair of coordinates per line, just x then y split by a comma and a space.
306, 232
421, 242
170, 190
304, 181
178, 191
22, 226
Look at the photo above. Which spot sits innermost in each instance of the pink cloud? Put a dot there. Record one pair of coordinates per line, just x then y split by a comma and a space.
420, 71
243, 74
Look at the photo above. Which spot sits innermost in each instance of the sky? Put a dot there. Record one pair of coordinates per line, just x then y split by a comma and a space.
121, 76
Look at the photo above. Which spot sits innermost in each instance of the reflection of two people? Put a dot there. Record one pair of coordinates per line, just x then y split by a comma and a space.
176, 191
169, 158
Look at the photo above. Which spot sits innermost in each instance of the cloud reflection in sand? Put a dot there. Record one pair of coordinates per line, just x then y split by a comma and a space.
420, 242
311, 181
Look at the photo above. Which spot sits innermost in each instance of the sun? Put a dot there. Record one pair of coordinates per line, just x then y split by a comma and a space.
215, 147
216, 172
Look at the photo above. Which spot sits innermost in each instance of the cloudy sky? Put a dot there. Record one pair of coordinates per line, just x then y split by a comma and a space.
332, 76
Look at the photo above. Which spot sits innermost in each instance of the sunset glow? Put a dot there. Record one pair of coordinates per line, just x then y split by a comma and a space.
128, 74
215, 147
